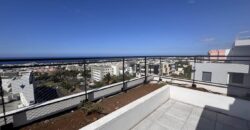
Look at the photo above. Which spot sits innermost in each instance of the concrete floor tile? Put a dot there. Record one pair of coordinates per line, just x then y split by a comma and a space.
220, 126
182, 106
201, 123
170, 122
156, 126
145, 124
204, 113
232, 121
175, 115
181, 114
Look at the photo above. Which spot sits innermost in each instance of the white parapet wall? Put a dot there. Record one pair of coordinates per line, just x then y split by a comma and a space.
117, 87
224, 104
214, 87
128, 116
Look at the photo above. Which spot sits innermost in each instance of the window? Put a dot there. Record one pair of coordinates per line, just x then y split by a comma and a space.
206, 76
237, 78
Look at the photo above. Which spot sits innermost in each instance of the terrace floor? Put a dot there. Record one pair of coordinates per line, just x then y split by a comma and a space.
175, 115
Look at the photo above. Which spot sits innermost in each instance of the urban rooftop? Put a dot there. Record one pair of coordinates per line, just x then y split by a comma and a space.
124, 65
135, 92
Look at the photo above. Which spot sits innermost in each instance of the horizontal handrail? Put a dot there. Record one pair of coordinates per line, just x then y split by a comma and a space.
107, 57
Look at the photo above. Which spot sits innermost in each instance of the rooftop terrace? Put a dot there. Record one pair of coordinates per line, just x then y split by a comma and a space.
216, 106
176, 110
176, 115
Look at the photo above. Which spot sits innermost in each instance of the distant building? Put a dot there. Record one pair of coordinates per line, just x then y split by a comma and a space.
20, 87
98, 72
172, 68
165, 69
25, 88
45, 69
74, 67
179, 71
151, 69
115, 70
129, 70
140, 69
218, 54
7, 74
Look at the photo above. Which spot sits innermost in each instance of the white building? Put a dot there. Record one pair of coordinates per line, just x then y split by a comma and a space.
98, 72
20, 86
129, 70
140, 69
23, 86
115, 70
165, 68
234, 74
74, 67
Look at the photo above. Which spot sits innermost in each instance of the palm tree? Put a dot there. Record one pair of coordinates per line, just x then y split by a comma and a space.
87, 74
107, 78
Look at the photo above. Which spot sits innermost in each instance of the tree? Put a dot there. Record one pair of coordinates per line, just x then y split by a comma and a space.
66, 85
107, 78
188, 72
98, 84
87, 74
114, 79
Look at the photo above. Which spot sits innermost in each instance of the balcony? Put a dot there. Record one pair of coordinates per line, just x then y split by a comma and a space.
178, 109
188, 101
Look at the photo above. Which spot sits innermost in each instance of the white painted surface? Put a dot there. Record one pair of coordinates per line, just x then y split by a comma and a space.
135, 83
22, 85
109, 91
242, 42
129, 115
220, 71
223, 89
176, 115
228, 105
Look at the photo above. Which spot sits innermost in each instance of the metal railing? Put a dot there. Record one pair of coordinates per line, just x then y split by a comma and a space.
160, 66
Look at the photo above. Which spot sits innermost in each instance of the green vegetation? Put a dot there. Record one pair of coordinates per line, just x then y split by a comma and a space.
188, 72
63, 80
162, 84
88, 74
107, 78
90, 107
66, 82
110, 79
187, 68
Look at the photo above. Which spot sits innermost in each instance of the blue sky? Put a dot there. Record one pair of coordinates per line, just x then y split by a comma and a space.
31, 28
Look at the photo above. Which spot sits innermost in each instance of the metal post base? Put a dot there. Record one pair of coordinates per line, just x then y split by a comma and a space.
145, 81
7, 127
194, 85
124, 87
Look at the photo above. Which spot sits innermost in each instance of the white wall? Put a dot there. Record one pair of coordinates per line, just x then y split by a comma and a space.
27, 92
228, 105
219, 71
134, 112
128, 116
223, 89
